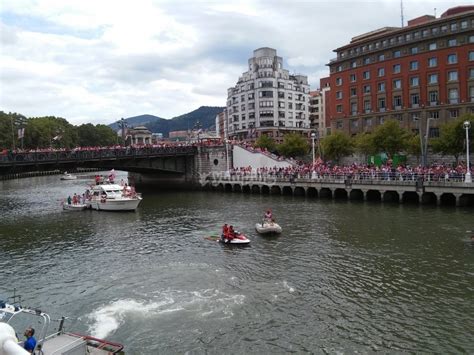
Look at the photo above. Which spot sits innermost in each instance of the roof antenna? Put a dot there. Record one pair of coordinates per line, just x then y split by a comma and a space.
435, 12
401, 11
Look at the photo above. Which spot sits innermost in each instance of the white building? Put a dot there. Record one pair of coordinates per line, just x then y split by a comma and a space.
268, 100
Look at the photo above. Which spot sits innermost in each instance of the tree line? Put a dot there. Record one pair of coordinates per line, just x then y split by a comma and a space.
387, 138
18, 131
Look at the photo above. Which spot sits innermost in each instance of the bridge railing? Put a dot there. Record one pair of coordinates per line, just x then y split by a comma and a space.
91, 154
385, 178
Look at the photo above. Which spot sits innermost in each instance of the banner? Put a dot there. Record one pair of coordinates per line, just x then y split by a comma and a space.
21, 133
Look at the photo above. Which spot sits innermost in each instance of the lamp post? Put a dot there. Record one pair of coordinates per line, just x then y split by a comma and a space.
227, 173
197, 127
468, 178
122, 124
313, 137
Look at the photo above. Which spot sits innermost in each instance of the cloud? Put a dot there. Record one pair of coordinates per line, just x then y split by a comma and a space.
97, 61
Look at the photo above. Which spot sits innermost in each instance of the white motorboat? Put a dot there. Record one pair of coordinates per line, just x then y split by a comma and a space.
74, 207
67, 176
113, 197
268, 227
13, 319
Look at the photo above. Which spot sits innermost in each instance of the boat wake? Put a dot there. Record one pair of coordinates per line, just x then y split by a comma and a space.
194, 304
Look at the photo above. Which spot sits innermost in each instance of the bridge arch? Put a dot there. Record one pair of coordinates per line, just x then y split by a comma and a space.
447, 199
265, 190
428, 198
312, 192
391, 196
287, 190
340, 194
325, 192
374, 195
466, 200
228, 187
255, 189
246, 189
237, 188
410, 197
275, 190
356, 195
299, 191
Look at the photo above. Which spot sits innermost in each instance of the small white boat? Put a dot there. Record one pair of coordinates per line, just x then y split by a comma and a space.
112, 197
74, 207
49, 341
67, 176
268, 227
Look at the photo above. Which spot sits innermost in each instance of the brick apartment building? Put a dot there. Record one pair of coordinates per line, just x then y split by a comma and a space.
423, 71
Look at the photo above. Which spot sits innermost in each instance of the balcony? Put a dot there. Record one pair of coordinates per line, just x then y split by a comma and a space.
434, 103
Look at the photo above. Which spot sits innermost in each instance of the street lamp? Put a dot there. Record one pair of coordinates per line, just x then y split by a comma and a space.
197, 126
428, 119
122, 124
468, 178
313, 137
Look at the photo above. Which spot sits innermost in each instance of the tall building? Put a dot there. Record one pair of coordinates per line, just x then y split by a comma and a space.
317, 110
420, 73
221, 124
267, 100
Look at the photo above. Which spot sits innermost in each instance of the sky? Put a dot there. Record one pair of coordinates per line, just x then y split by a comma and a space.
99, 60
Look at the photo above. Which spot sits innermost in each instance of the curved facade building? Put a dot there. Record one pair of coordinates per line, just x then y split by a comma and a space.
267, 100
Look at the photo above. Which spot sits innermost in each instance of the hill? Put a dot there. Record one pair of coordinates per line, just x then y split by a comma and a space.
137, 121
206, 115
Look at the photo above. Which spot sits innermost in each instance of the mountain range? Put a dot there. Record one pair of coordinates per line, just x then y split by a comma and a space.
205, 115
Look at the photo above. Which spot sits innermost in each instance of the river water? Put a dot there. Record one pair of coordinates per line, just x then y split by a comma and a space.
343, 277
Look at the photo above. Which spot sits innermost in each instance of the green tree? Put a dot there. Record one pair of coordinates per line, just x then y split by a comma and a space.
337, 145
452, 138
50, 131
9, 125
363, 143
98, 135
266, 142
390, 138
294, 145
414, 146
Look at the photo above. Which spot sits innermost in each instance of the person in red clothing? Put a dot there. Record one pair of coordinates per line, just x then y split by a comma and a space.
230, 234
225, 232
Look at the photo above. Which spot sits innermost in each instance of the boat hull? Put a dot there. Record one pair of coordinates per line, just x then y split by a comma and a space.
239, 240
77, 207
268, 228
114, 205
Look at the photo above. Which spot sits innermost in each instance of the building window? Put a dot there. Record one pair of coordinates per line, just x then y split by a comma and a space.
354, 108
397, 102
471, 39
353, 64
453, 113
352, 78
339, 68
452, 58
452, 42
433, 97
397, 68
414, 81
454, 26
367, 106
368, 121
366, 75
290, 96
338, 81
397, 84
432, 62
381, 103
432, 46
471, 73
381, 72
381, 87
366, 89
463, 25
471, 93
338, 94
452, 75
414, 65
414, 50
415, 99
471, 56
381, 57
444, 28
453, 95
242, 107
435, 30
367, 60
396, 54
353, 91
432, 78
251, 96
339, 108
433, 114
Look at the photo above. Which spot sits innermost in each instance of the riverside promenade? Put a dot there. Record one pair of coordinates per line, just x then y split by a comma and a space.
388, 187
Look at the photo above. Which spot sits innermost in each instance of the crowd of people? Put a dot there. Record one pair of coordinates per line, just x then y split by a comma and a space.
321, 170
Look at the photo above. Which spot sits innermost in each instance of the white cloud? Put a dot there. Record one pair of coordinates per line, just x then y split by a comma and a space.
97, 61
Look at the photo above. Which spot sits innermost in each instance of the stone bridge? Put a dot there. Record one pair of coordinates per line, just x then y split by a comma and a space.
346, 187
164, 166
